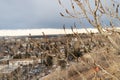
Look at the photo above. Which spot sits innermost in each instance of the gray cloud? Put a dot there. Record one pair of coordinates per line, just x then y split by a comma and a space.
20, 14
30, 14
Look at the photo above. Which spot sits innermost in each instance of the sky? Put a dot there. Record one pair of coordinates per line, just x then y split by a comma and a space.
26, 14
34, 14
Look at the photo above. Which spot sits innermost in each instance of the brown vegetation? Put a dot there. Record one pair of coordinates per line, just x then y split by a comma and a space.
97, 55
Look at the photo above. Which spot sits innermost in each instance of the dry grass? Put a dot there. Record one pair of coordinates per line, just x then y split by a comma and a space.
99, 63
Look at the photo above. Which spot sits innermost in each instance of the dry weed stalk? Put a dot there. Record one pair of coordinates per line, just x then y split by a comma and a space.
93, 12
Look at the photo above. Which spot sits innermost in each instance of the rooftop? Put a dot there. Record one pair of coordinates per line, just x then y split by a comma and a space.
7, 68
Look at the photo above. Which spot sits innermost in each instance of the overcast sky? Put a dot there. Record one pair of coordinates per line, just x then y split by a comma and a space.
20, 14
26, 14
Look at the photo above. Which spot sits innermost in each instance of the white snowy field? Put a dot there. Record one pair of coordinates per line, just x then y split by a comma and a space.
26, 32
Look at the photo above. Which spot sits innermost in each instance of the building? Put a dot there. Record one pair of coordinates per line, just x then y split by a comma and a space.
4, 59
8, 72
18, 62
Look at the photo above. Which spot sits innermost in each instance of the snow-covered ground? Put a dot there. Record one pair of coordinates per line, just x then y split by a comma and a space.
26, 32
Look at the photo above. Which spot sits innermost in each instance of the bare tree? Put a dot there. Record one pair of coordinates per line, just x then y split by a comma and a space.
98, 13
